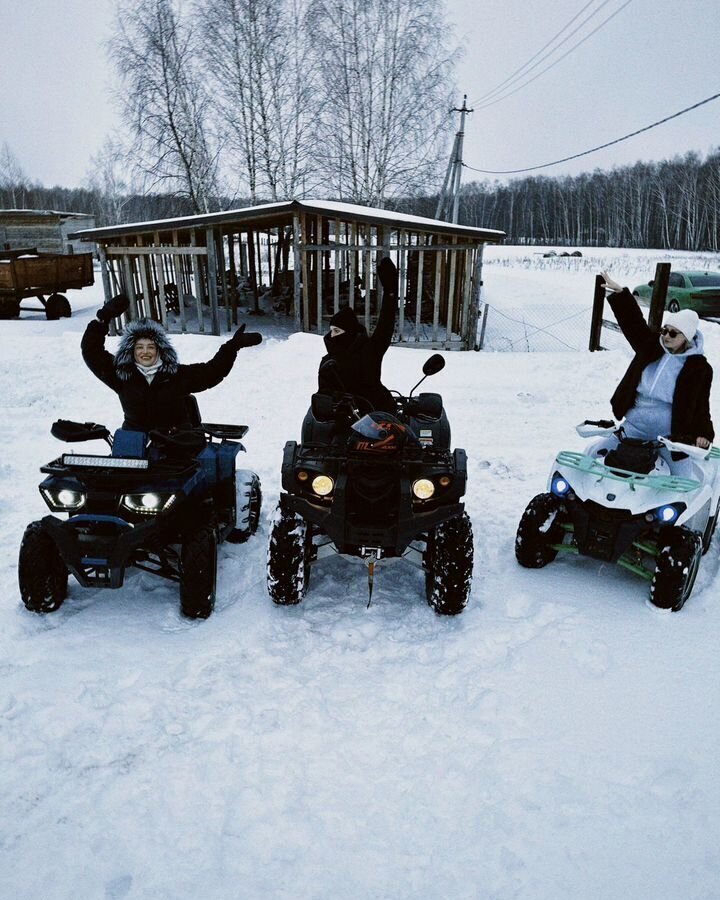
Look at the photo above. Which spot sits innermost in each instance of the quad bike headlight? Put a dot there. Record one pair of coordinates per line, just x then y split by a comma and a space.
59, 499
323, 485
423, 488
560, 486
667, 514
148, 503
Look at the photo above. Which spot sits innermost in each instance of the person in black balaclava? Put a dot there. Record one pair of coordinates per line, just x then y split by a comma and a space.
353, 363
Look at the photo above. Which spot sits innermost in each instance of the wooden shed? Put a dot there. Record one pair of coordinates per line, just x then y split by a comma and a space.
45, 230
305, 257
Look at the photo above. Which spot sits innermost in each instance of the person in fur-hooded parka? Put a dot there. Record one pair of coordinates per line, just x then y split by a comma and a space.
145, 373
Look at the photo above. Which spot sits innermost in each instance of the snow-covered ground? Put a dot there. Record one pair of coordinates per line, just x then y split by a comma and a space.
557, 740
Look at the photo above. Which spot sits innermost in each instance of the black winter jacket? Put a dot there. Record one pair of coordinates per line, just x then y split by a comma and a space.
162, 404
691, 400
358, 360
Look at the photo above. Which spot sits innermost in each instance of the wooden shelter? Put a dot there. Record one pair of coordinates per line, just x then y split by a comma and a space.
305, 258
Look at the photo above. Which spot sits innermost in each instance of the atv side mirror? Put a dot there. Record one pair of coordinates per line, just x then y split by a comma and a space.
435, 364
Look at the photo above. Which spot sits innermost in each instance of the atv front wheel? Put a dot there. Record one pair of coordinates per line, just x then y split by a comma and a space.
676, 568
42, 574
449, 565
288, 557
198, 573
248, 504
539, 528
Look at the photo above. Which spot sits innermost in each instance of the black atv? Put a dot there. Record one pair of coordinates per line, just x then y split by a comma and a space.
158, 502
374, 485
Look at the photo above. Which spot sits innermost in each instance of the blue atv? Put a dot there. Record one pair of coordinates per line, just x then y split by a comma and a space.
159, 502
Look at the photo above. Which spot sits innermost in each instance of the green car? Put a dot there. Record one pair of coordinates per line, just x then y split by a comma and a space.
687, 290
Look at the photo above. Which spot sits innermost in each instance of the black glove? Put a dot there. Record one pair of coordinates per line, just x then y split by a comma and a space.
113, 308
388, 275
240, 339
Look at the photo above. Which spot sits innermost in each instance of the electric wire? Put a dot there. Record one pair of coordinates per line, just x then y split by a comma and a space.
594, 149
551, 65
517, 73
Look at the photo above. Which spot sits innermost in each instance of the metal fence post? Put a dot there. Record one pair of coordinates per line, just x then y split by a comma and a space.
597, 314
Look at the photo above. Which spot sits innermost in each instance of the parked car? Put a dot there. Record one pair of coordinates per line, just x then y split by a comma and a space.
698, 290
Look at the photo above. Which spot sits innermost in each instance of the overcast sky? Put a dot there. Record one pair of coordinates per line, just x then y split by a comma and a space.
652, 59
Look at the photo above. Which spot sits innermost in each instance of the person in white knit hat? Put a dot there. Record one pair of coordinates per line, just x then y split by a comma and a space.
666, 389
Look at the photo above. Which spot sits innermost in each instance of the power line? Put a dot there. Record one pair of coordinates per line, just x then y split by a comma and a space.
594, 149
512, 77
556, 61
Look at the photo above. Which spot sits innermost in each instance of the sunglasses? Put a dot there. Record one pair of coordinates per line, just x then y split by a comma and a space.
670, 332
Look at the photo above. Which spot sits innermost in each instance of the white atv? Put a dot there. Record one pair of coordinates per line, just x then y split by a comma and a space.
623, 505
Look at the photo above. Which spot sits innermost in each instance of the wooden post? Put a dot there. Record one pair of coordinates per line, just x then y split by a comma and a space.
353, 263
366, 273
451, 291
319, 274
337, 265
177, 268
466, 300
234, 288
419, 289
597, 314
439, 256
146, 290
220, 254
659, 294
253, 271
160, 278
305, 274
197, 284
481, 338
130, 286
297, 268
212, 280
102, 256
403, 238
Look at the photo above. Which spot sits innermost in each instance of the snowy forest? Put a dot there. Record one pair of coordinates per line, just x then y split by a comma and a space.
230, 103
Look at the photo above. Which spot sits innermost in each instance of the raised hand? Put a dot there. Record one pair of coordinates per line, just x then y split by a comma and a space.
242, 339
113, 308
388, 275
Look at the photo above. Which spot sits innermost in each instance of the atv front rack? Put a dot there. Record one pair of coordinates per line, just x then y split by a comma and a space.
588, 466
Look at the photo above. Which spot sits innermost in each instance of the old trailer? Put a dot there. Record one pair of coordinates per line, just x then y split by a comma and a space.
26, 273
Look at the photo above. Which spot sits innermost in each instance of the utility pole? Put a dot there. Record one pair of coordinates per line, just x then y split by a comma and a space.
449, 199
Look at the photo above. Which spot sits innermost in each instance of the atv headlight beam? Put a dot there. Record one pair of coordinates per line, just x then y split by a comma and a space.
64, 498
323, 485
560, 486
148, 503
423, 488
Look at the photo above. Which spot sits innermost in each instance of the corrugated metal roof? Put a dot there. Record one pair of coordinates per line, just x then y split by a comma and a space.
269, 214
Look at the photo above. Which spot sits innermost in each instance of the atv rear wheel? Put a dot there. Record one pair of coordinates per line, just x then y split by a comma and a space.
42, 574
676, 568
288, 557
198, 573
449, 565
248, 504
539, 528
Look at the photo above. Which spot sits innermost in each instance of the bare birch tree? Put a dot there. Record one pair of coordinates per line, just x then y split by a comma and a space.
254, 50
13, 179
164, 101
385, 82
